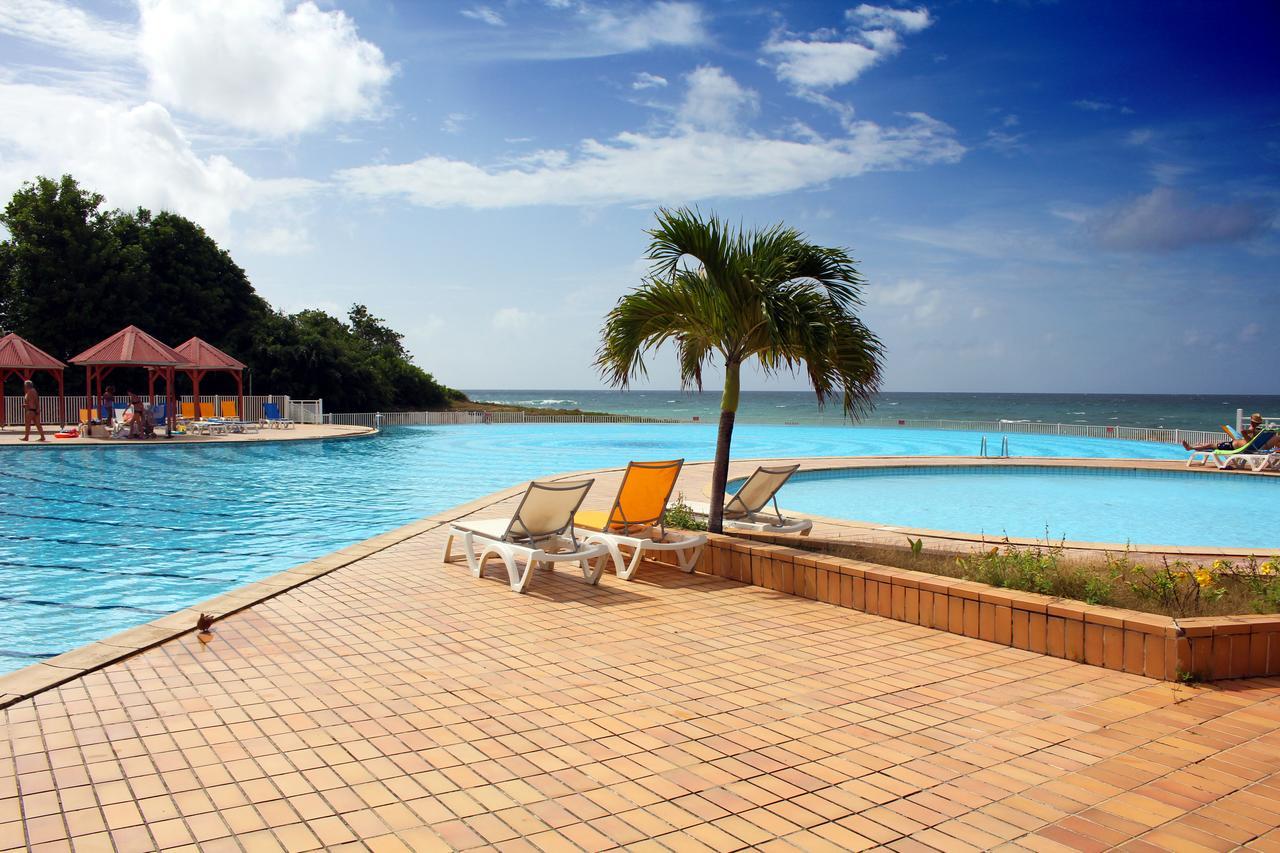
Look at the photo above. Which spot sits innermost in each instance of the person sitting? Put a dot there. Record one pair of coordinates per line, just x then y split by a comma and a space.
1246, 435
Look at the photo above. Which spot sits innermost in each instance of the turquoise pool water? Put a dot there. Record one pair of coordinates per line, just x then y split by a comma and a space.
94, 540
1052, 503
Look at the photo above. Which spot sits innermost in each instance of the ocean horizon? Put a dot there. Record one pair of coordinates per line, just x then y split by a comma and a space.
1169, 411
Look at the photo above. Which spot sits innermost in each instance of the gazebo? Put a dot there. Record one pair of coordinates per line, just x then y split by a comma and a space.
19, 357
132, 347
203, 357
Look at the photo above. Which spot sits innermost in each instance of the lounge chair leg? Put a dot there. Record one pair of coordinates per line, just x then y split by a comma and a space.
591, 574
629, 572
687, 559
447, 557
519, 580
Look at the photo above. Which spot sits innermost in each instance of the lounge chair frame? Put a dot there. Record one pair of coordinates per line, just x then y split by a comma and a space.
536, 547
637, 535
740, 516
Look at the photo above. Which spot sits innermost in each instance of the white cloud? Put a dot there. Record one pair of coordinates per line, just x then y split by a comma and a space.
486, 15
686, 164
645, 80
1094, 105
512, 319
66, 28
659, 24
259, 65
715, 101
910, 298
817, 61
1166, 219
907, 20
133, 155
280, 240
453, 122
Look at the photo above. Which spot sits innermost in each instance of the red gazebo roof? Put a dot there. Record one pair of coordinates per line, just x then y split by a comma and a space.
131, 346
203, 355
17, 353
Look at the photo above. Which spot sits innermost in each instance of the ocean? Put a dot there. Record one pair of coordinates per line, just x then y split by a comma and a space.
1183, 411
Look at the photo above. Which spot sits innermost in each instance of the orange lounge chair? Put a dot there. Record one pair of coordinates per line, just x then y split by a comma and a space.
634, 522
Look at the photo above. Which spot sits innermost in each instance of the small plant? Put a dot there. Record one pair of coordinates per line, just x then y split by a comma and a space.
917, 545
1185, 677
680, 516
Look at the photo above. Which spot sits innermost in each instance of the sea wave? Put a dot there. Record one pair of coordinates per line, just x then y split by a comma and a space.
531, 402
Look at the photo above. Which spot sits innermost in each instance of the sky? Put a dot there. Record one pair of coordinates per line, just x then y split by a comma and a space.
1057, 197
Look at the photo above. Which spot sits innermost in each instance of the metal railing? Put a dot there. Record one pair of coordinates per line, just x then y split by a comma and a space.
462, 418
49, 413
305, 411
459, 418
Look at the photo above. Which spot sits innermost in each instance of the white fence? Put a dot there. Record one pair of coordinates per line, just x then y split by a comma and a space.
386, 419
1157, 434
460, 418
49, 413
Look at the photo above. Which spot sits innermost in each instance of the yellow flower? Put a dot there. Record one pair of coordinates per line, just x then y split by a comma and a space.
1203, 577
1219, 565
1268, 568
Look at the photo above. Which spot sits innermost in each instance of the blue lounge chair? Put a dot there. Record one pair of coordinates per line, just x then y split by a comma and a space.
271, 417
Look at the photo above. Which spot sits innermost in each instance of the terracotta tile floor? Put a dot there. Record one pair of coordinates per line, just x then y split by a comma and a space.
398, 703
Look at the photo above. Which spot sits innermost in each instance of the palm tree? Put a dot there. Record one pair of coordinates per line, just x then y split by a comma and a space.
723, 295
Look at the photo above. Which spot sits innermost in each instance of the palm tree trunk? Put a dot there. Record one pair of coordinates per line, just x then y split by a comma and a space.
720, 470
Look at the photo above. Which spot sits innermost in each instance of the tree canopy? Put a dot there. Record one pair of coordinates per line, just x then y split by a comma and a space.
72, 273
731, 295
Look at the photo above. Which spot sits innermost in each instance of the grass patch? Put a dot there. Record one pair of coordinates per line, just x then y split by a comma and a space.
1173, 588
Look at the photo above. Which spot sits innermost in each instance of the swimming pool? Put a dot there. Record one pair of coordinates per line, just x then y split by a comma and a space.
1117, 505
97, 539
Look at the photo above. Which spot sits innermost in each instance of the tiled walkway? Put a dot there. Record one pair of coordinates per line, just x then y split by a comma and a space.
398, 703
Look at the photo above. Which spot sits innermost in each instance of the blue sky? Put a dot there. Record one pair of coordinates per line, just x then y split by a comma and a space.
1042, 196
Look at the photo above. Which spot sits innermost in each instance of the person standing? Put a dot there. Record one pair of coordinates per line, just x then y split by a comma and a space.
31, 409
109, 405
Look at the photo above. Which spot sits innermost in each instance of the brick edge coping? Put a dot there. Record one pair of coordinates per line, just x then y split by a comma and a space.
1207, 648
347, 431
58, 670
1208, 645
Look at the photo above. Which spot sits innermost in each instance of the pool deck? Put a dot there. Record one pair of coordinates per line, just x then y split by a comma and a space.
389, 701
11, 436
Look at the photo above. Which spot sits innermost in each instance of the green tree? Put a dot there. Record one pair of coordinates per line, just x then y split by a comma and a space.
72, 273
720, 294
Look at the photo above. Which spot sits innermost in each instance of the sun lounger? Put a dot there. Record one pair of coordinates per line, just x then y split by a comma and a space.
634, 522
1226, 459
539, 532
747, 509
271, 417
1252, 455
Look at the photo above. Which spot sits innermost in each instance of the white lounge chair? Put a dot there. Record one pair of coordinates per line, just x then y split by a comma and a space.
540, 531
747, 508
634, 522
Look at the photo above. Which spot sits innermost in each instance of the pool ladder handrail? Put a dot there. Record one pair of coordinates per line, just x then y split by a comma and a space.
1004, 447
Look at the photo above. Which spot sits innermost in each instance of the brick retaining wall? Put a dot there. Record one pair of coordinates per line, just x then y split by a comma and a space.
1210, 648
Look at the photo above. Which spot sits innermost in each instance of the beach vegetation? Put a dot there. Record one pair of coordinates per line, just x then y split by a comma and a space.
679, 516
1177, 588
73, 272
725, 297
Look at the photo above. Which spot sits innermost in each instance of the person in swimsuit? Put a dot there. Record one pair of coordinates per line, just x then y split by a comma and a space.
31, 409
1246, 436
109, 404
